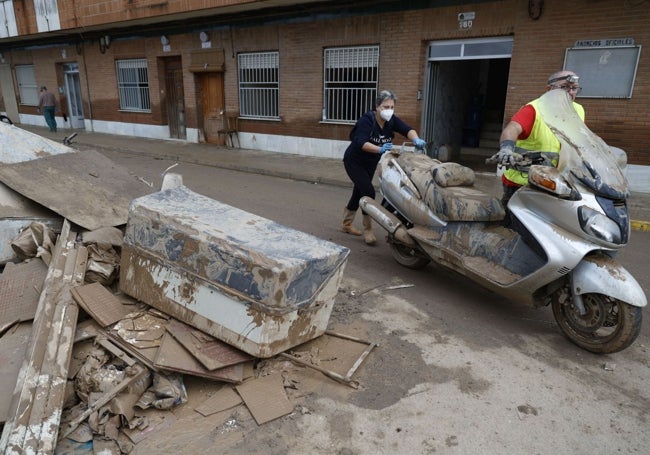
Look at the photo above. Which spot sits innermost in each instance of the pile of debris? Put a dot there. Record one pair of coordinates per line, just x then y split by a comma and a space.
101, 318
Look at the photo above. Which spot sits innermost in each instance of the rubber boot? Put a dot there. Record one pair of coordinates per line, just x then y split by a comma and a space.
348, 218
368, 236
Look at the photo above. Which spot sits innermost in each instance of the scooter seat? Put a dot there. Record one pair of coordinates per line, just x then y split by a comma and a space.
447, 189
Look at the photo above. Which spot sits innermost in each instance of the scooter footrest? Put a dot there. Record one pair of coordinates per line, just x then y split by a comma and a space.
490, 270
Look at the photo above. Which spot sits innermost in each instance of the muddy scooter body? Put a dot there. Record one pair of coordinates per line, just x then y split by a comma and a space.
556, 246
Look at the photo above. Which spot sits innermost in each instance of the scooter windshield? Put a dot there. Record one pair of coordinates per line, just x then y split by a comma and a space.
582, 153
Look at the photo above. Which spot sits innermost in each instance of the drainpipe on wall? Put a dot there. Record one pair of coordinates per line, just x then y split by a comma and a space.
90, 105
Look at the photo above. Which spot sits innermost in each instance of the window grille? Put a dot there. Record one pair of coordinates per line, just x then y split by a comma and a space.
27, 86
133, 85
259, 84
350, 82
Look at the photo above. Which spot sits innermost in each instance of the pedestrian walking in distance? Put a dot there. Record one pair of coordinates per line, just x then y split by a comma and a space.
47, 104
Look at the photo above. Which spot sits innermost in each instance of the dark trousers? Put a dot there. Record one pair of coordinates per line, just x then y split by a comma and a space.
508, 191
361, 172
48, 113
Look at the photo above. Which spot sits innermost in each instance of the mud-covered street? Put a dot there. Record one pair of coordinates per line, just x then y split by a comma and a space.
456, 370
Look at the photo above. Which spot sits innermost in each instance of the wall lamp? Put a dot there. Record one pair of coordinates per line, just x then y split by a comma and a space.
104, 43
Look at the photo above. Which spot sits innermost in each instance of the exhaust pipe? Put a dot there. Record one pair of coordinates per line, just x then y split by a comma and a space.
386, 220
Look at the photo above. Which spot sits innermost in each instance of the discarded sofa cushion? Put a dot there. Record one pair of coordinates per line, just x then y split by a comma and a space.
453, 174
447, 188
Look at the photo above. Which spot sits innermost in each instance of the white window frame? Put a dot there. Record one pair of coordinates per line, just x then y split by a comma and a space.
350, 82
27, 85
133, 84
259, 84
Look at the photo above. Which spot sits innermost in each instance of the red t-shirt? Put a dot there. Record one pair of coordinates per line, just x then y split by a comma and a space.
526, 118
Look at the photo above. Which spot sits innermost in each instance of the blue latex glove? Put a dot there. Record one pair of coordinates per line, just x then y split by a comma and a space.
386, 147
419, 143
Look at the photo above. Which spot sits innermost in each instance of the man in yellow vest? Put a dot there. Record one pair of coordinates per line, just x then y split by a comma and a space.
527, 130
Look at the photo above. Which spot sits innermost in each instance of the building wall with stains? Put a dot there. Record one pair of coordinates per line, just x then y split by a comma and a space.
403, 36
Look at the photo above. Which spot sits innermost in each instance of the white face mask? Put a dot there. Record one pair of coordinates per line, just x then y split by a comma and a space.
386, 114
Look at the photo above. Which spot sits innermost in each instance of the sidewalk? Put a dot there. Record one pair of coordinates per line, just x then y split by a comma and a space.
298, 167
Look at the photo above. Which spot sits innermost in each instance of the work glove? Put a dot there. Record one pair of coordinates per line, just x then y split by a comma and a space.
385, 147
506, 154
419, 143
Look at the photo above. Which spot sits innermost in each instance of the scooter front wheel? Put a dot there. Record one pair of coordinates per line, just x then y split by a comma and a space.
408, 257
608, 325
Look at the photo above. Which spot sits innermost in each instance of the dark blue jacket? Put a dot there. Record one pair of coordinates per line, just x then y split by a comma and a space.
368, 130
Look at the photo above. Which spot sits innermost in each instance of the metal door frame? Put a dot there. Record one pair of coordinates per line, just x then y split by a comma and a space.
73, 92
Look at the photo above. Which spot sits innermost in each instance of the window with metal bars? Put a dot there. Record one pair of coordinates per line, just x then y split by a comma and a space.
133, 85
259, 84
350, 82
27, 87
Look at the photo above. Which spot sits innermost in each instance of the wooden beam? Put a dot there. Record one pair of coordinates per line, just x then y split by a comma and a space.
37, 403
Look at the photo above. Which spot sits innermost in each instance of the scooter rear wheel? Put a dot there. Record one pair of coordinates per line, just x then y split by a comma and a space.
608, 326
408, 257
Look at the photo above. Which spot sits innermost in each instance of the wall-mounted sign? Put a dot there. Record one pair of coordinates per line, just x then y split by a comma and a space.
465, 20
604, 42
606, 71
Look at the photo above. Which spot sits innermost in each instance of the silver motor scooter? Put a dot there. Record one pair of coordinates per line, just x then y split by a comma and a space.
556, 246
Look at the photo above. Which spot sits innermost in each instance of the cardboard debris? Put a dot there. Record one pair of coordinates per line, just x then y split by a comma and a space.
337, 350
172, 356
265, 398
141, 330
224, 398
13, 346
87, 329
20, 288
212, 353
135, 374
100, 303
154, 422
263, 298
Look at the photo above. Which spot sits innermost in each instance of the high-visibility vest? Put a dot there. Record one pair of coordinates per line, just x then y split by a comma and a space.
541, 138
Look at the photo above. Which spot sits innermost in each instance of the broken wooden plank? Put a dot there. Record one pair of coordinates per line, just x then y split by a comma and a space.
37, 403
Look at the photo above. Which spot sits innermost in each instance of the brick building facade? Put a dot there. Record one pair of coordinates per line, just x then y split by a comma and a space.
194, 71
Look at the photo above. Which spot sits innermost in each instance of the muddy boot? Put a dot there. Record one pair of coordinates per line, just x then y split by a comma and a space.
348, 218
368, 236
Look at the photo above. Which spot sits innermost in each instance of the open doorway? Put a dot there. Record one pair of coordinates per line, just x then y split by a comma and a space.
465, 93
72, 95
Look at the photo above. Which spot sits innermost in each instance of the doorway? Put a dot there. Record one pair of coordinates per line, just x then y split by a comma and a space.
73, 95
175, 97
465, 94
212, 106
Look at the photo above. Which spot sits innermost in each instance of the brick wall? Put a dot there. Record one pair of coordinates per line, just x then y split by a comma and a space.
539, 49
